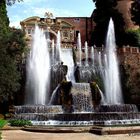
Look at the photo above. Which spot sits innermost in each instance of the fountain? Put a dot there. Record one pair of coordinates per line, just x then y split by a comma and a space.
81, 102
53, 54
113, 91
58, 47
67, 58
38, 70
92, 55
86, 54
79, 45
109, 70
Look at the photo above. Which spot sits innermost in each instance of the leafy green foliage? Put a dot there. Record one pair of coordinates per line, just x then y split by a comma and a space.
135, 11
12, 46
2, 123
4, 21
11, 2
132, 38
16, 43
11, 51
8, 75
19, 123
102, 14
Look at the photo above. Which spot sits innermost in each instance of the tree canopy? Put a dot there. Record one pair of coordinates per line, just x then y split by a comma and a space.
10, 2
135, 11
106, 9
12, 45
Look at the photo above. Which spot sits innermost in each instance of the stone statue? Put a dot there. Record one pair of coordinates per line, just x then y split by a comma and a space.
48, 15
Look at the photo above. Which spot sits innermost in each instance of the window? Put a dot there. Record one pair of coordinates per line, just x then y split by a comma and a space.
29, 31
77, 20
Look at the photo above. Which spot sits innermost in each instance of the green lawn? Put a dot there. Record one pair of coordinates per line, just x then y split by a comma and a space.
2, 123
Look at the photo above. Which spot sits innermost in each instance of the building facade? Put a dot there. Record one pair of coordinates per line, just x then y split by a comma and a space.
69, 28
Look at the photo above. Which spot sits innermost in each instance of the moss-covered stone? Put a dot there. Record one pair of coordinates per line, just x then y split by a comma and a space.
65, 96
96, 96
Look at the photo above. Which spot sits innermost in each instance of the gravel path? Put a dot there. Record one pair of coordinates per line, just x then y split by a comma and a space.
23, 135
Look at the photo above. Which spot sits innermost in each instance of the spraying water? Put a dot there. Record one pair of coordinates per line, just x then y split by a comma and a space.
79, 48
92, 55
113, 92
53, 52
58, 47
67, 57
38, 69
82, 98
86, 54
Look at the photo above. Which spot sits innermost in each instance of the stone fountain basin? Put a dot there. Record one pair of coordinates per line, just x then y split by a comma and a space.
59, 108
54, 115
79, 116
82, 119
38, 109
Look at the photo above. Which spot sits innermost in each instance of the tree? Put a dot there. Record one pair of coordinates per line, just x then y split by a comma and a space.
10, 2
12, 45
9, 76
4, 20
132, 38
102, 14
16, 43
135, 11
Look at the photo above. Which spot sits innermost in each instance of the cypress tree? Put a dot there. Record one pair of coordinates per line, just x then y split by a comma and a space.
106, 9
11, 44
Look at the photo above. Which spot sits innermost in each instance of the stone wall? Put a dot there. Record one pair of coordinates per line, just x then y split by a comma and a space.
129, 58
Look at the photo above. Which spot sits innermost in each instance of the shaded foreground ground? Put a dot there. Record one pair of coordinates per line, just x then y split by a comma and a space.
24, 135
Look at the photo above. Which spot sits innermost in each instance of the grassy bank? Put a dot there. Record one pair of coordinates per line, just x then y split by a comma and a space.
2, 123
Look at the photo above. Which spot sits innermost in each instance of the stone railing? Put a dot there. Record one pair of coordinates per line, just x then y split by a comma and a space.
129, 49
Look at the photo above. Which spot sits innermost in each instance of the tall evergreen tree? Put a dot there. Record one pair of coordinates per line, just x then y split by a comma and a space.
11, 45
106, 9
4, 21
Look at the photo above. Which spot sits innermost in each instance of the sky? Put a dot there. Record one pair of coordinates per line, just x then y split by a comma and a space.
59, 8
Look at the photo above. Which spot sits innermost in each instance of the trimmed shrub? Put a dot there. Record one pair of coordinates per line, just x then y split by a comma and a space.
19, 123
